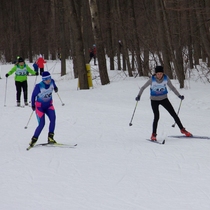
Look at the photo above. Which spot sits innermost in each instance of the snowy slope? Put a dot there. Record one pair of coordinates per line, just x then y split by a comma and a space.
113, 166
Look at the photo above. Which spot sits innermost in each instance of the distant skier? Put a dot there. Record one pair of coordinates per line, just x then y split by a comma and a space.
40, 62
42, 103
21, 70
36, 68
158, 96
92, 53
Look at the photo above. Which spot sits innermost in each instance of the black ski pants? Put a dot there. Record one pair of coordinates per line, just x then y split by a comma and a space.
167, 105
94, 58
19, 87
41, 70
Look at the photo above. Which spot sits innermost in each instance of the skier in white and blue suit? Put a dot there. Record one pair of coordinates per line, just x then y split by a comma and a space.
158, 95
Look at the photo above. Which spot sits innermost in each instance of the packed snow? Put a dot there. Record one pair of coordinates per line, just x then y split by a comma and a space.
113, 166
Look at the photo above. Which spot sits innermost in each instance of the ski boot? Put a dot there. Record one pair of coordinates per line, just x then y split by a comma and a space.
26, 103
185, 132
33, 141
50, 139
18, 103
153, 137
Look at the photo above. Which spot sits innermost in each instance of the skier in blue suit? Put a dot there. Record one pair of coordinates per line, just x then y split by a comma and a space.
42, 103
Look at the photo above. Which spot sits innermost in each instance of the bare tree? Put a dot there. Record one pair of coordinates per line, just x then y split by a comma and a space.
163, 37
174, 52
142, 29
124, 45
79, 59
204, 32
110, 40
99, 42
61, 6
136, 41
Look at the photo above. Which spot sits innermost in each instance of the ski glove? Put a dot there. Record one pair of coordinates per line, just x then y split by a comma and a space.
56, 89
6, 75
181, 97
138, 98
33, 108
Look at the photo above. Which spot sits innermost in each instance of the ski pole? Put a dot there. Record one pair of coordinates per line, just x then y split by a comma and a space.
5, 95
60, 99
35, 81
177, 113
0, 72
29, 120
130, 124
47, 66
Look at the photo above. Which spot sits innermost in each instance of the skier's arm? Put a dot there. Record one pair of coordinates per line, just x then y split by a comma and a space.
149, 82
12, 70
55, 86
30, 70
170, 85
36, 91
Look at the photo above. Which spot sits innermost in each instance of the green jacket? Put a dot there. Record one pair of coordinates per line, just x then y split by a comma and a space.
21, 72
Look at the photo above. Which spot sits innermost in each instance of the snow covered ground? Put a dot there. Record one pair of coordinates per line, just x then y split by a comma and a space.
113, 167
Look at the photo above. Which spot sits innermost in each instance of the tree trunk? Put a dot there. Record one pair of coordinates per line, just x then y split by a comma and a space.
136, 41
99, 42
189, 36
124, 43
204, 32
162, 40
62, 37
179, 73
110, 17
79, 53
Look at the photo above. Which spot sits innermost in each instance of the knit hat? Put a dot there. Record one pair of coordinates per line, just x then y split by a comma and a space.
158, 69
20, 60
46, 75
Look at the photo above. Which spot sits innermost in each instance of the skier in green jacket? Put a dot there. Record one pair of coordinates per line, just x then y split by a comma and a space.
21, 70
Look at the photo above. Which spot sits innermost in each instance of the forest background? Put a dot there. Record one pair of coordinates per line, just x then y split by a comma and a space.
135, 35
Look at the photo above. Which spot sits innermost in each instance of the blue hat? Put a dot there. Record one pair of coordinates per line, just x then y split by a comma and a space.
46, 75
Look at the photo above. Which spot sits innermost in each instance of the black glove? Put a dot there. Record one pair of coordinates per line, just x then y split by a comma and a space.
56, 89
181, 97
138, 98
33, 108
6, 75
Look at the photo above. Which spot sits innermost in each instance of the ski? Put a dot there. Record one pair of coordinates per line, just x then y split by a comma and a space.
157, 142
190, 137
53, 145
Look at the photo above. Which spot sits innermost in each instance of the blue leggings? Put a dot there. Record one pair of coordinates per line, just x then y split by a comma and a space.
40, 113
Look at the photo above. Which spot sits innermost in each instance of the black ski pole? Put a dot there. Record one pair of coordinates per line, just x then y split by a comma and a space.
5, 95
177, 113
130, 124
